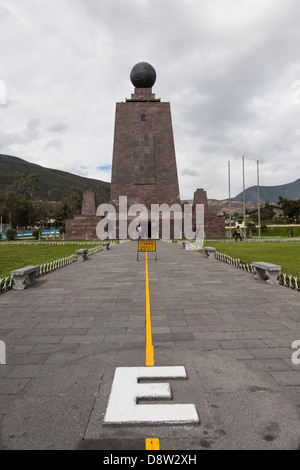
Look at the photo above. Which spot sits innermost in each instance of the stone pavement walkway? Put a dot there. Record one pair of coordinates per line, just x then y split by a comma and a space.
66, 335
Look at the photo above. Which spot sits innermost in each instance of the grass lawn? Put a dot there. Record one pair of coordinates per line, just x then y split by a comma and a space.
282, 231
286, 254
16, 256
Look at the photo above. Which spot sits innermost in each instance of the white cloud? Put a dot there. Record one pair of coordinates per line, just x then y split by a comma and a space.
57, 128
55, 144
226, 67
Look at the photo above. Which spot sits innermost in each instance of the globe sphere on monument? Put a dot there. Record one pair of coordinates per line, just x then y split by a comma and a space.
143, 75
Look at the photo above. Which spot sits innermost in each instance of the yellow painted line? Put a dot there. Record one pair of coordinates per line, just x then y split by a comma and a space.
152, 444
149, 345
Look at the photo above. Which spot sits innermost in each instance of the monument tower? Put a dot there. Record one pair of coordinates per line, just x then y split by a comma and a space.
144, 163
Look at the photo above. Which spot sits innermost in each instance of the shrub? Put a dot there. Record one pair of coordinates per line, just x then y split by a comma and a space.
36, 234
11, 234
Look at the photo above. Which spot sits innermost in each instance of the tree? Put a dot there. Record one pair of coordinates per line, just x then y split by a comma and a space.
42, 211
63, 210
76, 200
3, 211
29, 186
290, 207
11, 234
10, 199
36, 234
266, 213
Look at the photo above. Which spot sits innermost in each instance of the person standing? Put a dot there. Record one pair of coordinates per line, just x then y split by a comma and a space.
238, 234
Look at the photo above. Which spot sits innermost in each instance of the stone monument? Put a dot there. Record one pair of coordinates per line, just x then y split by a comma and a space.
83, 226
214, 227
144, 162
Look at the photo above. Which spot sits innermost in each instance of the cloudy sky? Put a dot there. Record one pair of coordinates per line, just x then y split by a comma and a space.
230, 68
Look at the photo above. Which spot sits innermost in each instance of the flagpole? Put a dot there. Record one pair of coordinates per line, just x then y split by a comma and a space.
244, 201
229, 199
258, 201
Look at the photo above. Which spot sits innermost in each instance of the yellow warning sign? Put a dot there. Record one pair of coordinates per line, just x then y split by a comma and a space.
146, 246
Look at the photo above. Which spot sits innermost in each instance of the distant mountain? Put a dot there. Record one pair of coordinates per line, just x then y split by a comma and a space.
54, 184
271, 193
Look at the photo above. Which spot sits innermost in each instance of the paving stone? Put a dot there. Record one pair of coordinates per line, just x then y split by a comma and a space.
287, 377
137, 319
119, 323
20, 332
242, 343
228, 327
5, 401
124, 339
83, 324
268, 364
65, 358
160, 329
161, 346
289, 363
292, 325
41, 339
19, 348
199, 311
51, 348
172, 337
68, 331
4, 332
115, 331
293, 393
271, 353
214, 335
26, 358
82, 339
239, 354
254, 334
208, 345
12, 386
4, 370
136, 331
29, 418
28, 371
278, 342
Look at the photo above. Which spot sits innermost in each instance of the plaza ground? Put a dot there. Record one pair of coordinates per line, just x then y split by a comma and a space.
67, 334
